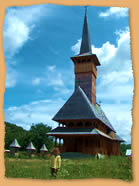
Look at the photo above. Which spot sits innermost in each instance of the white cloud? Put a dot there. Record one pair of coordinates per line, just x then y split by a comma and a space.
63, 91
17, 30
115, 72
18, 25
36, 81
115, 11
55, 80
10, 77
106, 52
115, 94
16, 34
111, 78
51, 68
34, 112
52, 77
121, 119
76, 48
115, 81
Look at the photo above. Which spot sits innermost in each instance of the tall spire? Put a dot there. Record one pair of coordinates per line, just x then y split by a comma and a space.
86, 42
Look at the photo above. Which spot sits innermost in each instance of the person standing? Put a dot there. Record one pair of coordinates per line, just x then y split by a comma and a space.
55, 161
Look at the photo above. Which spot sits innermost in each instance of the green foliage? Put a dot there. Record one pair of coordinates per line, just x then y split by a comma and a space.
110, 167
12, 131
37, 134
124, 147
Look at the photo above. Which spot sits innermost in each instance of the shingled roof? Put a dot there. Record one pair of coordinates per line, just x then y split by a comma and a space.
81, 131
79, 107
77, 131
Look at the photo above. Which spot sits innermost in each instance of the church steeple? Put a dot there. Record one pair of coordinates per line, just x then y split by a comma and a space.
86, 41
85, 65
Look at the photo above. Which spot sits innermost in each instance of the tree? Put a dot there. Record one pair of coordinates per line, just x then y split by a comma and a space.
124, 147
11, 132
38, 135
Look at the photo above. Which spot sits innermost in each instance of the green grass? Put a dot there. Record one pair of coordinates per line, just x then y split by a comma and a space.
110, 167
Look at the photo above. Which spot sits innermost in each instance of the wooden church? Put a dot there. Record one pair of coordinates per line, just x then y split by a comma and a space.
83, 126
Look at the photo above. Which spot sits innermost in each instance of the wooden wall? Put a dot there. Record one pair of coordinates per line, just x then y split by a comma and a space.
91, 145
86, 65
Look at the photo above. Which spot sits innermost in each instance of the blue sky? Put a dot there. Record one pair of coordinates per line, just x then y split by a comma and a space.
38, 43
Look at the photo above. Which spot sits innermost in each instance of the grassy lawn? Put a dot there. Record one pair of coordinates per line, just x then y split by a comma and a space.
110, 167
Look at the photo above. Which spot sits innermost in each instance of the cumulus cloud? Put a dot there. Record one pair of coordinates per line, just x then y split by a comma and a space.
106, 52
121, 119
115, 73
114, 11
111, 78
115, 80
16, 34
17, 30
34, 112
18, 25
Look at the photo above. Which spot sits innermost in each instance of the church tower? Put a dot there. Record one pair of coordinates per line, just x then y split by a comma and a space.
85, 65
